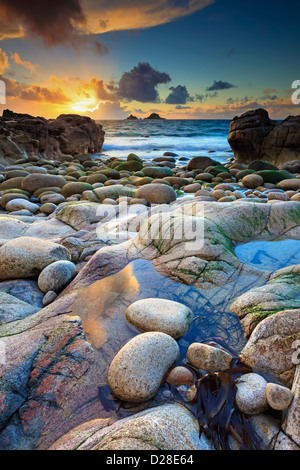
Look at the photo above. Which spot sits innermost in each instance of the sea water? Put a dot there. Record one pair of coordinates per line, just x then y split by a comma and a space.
151, 138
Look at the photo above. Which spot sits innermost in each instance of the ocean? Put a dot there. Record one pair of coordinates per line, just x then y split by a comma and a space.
150, 139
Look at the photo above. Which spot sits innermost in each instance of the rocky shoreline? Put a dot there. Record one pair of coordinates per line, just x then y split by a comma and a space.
69, 220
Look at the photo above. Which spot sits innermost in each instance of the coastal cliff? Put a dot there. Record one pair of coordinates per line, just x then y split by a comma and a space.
24, 135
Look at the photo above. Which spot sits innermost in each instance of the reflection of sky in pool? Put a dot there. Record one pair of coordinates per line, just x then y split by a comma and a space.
101, 307
270, 256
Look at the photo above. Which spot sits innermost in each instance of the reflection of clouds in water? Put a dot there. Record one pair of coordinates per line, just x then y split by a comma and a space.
271, 255
102, 302
101, 307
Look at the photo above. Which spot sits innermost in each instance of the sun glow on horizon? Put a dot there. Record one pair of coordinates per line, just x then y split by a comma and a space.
86, 106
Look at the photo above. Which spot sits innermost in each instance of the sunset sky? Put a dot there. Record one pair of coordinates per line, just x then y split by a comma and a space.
185, 59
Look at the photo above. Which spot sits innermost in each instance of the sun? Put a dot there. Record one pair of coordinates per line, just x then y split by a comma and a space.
89, 105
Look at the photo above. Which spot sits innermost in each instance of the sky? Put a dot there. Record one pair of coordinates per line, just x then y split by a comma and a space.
183, 59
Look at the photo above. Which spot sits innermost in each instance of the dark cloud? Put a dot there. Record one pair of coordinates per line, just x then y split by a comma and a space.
140, 84
178, 95
52, 20
269, 97
246, 99
220, 85
182, 107
140, 111
206, 96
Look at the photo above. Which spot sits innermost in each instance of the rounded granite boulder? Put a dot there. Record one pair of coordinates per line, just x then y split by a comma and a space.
77, 187
157, 193
139, 368
27, 256
180, 376
278, 397
289, 184
200, 163
208, 358
36, 181
157, 171
57, 275
252, 181
21, 204
251, 396
161, 315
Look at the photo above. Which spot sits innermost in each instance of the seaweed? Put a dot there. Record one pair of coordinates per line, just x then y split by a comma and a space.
217, 414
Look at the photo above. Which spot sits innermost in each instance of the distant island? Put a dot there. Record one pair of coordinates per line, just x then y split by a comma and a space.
154, 116
131, 118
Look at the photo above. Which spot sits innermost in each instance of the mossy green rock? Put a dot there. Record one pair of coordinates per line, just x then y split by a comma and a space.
130, 166
96, 178
157, 172
241, 174
271, 176
214, 170
113, 192
142, 181
133, 157
261, 165
115, 163
75, 188
110, 173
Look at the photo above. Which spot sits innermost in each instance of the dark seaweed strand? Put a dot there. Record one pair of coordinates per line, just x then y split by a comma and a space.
217, 413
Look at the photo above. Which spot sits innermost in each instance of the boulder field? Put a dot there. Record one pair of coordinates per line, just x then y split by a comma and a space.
72, 219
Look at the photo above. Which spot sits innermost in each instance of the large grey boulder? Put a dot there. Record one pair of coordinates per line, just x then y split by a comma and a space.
269, 348
139, 368
27, 257
166, 427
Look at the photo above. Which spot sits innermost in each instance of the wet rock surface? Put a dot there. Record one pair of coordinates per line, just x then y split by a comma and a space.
98, 212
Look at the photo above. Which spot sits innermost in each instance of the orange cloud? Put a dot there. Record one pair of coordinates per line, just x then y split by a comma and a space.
65, 21
3, 61
15, 89
27, 65
115, 15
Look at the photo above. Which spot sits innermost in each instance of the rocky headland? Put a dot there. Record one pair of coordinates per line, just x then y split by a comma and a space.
77, 344
24, 135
